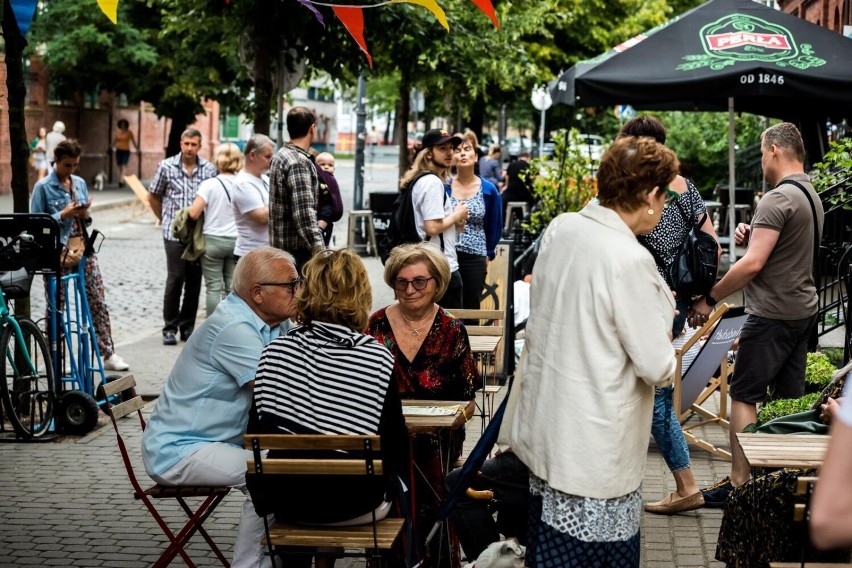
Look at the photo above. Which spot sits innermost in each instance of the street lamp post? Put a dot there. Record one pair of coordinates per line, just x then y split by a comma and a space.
541, 101
360, 133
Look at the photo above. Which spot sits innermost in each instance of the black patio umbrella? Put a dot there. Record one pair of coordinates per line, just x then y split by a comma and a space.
769, 62
562, 90
735, 55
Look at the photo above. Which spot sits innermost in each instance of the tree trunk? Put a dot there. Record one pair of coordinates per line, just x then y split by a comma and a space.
403, 108
262, 89
477, 117
182, 116
387, 134
17, 127
17, 99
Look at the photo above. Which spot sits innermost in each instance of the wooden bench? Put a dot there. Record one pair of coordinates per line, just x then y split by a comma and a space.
373, 538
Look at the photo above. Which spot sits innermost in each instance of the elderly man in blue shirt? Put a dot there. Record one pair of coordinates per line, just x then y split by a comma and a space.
194, 436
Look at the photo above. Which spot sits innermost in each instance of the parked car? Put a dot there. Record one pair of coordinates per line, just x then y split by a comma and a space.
592, 146
414, 138
548, 149
512, 147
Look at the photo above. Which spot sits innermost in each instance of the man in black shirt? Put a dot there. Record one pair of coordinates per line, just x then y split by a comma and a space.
519, 183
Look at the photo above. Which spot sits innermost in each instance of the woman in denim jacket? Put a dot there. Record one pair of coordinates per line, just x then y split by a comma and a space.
65, 197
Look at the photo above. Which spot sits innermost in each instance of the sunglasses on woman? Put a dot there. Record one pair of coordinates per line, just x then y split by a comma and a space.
671, 196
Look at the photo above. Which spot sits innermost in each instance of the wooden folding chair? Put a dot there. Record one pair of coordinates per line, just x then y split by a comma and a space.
362, 458
694, 385
120, 399
485, 338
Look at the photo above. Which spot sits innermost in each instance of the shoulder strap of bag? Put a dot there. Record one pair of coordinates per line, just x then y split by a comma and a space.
813, 212
227, 193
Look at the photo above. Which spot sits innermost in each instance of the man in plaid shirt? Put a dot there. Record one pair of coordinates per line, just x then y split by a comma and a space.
294, 189
173, 188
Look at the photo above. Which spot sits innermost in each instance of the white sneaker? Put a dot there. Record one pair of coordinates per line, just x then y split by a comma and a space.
115, 363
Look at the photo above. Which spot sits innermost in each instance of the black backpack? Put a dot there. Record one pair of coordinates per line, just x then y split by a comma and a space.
401, 228
695, 265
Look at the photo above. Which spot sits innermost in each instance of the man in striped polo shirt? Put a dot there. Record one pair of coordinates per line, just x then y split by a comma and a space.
173, 188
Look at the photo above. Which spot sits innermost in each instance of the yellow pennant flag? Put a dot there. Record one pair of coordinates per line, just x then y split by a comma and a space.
432, 6
110, 9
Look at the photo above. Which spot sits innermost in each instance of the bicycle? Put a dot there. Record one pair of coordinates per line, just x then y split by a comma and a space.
28, 387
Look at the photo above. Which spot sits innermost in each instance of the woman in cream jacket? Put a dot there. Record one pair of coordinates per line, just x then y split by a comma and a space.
597, 342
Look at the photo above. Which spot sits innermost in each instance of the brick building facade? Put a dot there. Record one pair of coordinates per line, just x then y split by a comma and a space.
831, 14
92, 121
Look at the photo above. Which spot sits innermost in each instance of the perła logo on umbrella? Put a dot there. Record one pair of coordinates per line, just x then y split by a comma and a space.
740, 37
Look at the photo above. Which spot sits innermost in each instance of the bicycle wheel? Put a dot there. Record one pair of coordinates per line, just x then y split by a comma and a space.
28, 380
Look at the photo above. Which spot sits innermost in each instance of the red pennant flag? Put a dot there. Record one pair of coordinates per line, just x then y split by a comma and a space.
353, 20
488, 9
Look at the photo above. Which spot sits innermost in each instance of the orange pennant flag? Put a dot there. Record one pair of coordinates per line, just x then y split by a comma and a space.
110, 9
353, 21
488, 9
432, 6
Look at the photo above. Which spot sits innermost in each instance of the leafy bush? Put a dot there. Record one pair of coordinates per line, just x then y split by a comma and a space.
818, 371
834, 173
785, 406
563, 184
834, 354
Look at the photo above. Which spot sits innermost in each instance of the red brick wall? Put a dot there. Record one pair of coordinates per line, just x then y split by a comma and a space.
94, 129
826, 13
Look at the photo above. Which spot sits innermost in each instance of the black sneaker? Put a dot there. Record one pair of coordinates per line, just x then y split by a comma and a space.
716, 495
184, 335
169, 338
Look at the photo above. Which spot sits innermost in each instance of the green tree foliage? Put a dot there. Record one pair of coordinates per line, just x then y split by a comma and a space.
86, 52
700, 140
562, 184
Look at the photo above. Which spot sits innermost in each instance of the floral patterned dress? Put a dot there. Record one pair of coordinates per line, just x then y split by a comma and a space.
443, 369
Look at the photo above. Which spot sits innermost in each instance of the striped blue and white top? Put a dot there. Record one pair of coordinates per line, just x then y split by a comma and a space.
323, 379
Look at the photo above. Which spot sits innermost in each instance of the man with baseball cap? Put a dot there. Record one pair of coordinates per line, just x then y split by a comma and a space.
436, 220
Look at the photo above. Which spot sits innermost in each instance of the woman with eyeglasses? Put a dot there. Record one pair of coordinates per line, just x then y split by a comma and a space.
598, 340
326, 376
663, 242
432, 361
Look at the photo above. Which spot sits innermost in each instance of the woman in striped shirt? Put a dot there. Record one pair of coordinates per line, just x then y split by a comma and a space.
326, 377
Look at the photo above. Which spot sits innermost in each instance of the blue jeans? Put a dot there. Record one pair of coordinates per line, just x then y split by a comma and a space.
667, 433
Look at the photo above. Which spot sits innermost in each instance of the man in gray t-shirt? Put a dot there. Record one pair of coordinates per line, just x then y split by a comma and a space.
780, 293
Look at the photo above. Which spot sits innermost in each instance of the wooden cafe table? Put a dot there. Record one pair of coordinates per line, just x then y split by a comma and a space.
783, 450
434, 416
424, 416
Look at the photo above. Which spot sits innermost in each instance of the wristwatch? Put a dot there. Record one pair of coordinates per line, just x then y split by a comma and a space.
708, 299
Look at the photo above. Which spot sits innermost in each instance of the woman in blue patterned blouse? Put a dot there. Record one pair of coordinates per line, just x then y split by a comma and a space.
484, 225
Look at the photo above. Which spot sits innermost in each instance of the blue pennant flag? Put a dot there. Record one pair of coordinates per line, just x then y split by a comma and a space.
24, 11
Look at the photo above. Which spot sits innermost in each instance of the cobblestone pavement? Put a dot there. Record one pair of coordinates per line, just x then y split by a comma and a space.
67, 502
